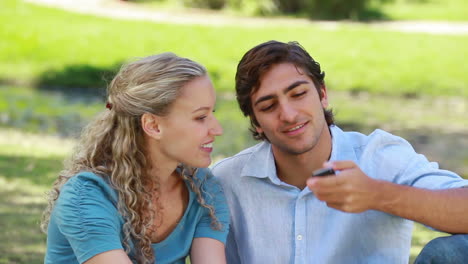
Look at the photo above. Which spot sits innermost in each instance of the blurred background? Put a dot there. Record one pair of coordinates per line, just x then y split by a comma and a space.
398, 65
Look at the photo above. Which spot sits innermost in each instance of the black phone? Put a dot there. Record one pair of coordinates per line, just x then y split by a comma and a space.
324, 172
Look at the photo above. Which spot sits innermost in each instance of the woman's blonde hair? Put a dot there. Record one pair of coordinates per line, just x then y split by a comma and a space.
112, 145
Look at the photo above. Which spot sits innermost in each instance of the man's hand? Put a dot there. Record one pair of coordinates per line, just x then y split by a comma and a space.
350, 190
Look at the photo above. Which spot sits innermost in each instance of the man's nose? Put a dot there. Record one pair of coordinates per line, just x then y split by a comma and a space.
287, 113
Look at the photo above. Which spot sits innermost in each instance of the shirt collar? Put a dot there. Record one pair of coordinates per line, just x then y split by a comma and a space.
261, 163
342, 146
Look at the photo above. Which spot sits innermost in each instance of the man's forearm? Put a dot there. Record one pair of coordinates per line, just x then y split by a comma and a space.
445, 210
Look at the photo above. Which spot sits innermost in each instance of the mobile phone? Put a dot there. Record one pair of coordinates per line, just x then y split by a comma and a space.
324, 172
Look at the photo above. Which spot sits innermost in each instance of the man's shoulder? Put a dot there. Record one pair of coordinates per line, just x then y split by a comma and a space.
377, 138
376, 147
236, 162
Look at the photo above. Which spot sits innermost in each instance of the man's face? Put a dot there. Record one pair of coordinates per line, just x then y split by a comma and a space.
289, 110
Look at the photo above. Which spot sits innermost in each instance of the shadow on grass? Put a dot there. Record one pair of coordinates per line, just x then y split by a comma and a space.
85, 82
37, 171
367, 14
21, 240
22, 200
82, 80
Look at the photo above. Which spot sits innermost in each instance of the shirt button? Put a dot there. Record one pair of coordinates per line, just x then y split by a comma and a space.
299, 237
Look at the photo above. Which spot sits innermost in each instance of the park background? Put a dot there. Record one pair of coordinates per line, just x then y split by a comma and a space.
380, 73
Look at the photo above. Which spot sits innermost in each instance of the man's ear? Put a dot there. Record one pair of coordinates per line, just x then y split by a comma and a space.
258, 129
255, 124
323, 93
151, 125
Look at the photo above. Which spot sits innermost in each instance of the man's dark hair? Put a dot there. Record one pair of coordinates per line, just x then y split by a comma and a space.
259, 60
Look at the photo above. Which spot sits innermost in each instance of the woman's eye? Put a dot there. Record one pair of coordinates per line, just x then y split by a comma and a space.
201, 117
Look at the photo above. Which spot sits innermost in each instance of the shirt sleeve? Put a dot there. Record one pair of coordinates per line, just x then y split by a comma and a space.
213, 195
404, 166
87, 218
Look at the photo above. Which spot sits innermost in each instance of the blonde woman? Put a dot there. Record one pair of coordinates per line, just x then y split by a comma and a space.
131, 192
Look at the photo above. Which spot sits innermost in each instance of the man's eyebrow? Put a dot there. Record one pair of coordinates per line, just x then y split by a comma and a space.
264, 98
289, 88
294, 85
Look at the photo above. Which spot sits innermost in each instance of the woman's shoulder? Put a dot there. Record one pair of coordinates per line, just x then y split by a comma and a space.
86, 216
85, 200
89, 184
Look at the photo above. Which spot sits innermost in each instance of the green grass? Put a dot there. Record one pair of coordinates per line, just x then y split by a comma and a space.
53, 47
440, 121
436, 10
46, 111
28, 165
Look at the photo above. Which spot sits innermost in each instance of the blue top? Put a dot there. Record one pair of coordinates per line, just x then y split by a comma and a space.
274, 222
85, 221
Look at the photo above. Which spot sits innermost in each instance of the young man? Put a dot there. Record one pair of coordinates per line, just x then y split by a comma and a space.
363, 214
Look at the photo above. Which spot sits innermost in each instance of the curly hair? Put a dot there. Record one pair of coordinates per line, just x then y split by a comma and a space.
113, 146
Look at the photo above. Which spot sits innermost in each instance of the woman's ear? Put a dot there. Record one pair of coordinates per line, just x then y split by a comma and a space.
151, 125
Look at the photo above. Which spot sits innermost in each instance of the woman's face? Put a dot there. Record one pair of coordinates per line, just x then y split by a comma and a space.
190, 128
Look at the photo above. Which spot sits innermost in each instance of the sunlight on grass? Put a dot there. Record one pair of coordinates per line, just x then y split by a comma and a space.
21, 240
28, 165
16, 143
442, 10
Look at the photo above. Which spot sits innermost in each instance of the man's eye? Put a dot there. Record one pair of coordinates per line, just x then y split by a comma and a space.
266, 108
299, 94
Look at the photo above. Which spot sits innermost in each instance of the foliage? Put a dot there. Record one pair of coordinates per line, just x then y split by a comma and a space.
432, 10
252, 7
335, 9
211, 4
78, 76
316, 9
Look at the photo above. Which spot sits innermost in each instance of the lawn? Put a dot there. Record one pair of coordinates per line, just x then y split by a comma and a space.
49, 48
435, 10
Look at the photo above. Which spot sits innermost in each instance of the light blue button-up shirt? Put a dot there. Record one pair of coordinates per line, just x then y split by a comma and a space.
274, 222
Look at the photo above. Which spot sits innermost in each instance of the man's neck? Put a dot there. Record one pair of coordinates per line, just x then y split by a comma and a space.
296, 169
